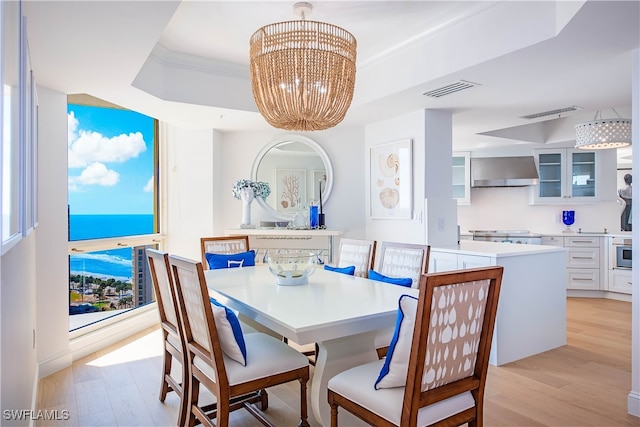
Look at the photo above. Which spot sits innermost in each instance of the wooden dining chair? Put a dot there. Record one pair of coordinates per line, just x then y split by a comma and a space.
436, 369
162, 280
359, 253
267, 360
223, 245
400, 260
404, 260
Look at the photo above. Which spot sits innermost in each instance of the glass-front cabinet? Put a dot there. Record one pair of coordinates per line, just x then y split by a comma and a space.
461, 186
569, 175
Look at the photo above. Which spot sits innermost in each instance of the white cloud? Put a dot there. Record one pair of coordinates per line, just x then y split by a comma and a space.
149, 187
95, 174
86, 147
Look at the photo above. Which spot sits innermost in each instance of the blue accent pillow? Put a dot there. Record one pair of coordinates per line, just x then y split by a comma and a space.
402, 281
350, 270
229, 332
242, 259
394, 370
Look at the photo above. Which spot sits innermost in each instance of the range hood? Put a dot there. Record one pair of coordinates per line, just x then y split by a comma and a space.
503, 171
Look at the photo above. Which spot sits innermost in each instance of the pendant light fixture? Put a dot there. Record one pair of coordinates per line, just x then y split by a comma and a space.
303, 72
603, 133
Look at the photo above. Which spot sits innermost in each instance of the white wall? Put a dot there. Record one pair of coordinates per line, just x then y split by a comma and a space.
509, 209
410, 126
52, 234
191, 167
346, 205
19, 367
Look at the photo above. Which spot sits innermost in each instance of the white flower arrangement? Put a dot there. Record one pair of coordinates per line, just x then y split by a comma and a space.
259, 188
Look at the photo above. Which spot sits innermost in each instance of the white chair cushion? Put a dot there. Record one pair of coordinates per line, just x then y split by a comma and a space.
357, 384
265, 356
394, 369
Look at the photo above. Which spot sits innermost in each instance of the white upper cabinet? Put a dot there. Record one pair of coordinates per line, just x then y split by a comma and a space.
572, 176
461, 178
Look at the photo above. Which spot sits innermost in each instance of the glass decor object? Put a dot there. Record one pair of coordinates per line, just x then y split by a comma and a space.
568, 218
292, 268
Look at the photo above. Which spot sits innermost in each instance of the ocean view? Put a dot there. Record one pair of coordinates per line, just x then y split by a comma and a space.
114, 263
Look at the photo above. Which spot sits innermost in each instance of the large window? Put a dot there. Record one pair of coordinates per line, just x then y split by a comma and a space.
112, 209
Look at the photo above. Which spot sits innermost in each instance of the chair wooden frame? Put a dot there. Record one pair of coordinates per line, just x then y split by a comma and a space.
361, 270
162, 280
229, 397
426, 252
234, 244
414, 397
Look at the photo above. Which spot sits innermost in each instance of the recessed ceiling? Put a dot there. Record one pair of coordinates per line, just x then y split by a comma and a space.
186, 62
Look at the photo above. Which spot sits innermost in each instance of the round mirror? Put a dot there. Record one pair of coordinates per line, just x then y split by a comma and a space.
298, 171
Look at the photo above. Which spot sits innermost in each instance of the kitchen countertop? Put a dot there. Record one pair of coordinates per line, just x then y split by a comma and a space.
496, 249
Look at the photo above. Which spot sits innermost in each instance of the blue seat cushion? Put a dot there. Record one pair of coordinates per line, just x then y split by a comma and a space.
350, 270
229, 332
402, 281
241, 259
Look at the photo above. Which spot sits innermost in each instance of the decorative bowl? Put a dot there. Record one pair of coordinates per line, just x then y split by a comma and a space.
292, 269
282, 224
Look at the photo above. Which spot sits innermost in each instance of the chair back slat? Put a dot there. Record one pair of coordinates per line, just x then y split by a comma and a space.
404, 260
452, 340
223, 245
198, 323
452, 337
162, 284
359, 253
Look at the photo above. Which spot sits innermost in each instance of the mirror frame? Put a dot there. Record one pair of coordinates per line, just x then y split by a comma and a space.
293, 138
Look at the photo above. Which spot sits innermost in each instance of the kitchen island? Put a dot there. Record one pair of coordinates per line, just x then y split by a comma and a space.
532, 311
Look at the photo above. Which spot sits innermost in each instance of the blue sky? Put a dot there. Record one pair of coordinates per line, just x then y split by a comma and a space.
110, 161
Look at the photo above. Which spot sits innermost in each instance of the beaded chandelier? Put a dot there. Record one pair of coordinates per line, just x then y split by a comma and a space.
303, 72
603, 133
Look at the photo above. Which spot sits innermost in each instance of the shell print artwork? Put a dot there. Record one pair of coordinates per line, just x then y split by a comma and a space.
389, 165
380, 182
389, 198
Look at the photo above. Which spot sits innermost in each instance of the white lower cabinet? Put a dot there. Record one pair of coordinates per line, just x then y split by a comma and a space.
583, 263
583, 278
444, 261
620, 281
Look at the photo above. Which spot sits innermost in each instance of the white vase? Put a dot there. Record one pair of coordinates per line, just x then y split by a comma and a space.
246, 213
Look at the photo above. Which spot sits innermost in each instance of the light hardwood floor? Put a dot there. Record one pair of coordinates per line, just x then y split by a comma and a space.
584, 383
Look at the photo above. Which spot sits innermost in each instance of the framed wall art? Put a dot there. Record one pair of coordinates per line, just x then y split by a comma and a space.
391, 181
291, 189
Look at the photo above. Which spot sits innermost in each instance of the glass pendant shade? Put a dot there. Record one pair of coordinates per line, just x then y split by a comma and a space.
303, 74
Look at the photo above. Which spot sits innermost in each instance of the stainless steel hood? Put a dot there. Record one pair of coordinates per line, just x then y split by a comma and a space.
503, 171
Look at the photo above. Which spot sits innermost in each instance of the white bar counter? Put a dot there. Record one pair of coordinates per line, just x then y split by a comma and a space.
532, 311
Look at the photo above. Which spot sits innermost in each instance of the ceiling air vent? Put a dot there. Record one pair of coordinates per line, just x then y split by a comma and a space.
451, 88
552, 112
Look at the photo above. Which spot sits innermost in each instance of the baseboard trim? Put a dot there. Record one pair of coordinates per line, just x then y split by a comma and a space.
633, 404
55, 363
34, 395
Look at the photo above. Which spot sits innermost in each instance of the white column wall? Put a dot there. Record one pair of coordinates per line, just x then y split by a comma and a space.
634, 396
190, 168
52, 266
411, 126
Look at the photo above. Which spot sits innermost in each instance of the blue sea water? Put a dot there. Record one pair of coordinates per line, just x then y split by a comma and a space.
114, 263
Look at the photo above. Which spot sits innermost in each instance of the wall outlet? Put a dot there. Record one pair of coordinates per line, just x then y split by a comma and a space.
440, 224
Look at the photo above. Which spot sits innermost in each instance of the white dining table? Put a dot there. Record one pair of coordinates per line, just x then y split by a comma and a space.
340, 313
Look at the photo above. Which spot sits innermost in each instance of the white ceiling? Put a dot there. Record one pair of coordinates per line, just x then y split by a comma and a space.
187, 62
